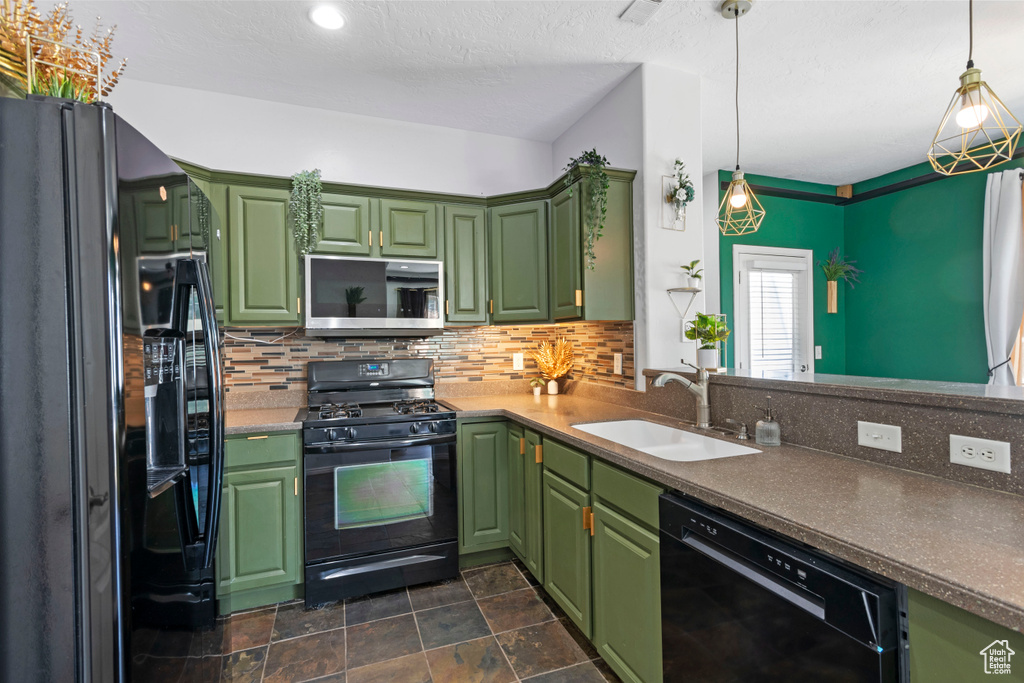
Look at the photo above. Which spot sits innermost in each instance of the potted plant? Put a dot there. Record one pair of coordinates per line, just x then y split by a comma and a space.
306, 211
682, 193
693, 274
707, 329
354, 296
537, 383
591, 166
554, 361
837, 268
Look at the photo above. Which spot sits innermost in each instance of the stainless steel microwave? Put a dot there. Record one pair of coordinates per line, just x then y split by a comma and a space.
358, 296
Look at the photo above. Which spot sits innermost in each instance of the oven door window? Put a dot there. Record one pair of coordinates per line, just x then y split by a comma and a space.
377, 494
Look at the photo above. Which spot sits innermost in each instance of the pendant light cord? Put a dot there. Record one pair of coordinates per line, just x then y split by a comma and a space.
736, 13
970, 24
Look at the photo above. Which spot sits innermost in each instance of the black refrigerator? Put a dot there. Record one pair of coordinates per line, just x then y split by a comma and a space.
111, 404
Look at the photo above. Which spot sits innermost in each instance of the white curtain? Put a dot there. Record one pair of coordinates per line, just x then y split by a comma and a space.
1003, 271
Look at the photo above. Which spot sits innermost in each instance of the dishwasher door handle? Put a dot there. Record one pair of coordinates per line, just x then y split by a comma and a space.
805, 600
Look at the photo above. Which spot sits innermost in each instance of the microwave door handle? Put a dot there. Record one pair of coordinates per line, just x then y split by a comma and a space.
215, 378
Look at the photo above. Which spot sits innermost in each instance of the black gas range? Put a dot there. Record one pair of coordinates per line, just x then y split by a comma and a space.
379, 467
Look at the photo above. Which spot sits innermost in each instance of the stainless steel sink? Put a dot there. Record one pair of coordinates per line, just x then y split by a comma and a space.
664, 442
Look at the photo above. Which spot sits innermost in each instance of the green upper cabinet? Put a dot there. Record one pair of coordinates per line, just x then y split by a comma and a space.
408, 229
567, 549
350, 225
566, 255
182, 226
483, 486
465, 263
218, 258
519, 263
608, 288
262, 263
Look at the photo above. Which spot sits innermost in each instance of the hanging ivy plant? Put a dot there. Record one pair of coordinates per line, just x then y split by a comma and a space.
591, 165
307, 211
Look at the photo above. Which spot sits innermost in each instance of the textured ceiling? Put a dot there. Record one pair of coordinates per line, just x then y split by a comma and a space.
832, 91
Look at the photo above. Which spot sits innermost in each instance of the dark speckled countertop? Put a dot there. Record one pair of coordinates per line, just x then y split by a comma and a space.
960, 543
251, 420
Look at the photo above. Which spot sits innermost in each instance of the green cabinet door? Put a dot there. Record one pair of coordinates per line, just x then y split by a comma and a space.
516, 490
533, 486
348, 226
483, 486
218, 256
154, 220
567, 549
519, 263
608, 288
262, 264
627, 596
566, 255
181, 215
408, 229
260, 530
465, 264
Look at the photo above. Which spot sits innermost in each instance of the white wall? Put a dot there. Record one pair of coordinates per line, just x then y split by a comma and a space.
712, 276
672, 128
231, 133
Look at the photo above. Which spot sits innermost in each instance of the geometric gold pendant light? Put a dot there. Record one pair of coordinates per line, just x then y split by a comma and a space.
977, 131
740, 213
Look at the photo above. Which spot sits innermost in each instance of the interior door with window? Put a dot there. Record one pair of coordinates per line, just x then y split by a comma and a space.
773, 300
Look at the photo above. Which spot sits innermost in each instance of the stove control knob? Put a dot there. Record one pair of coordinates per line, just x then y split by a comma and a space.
332, 435
414, 428
432, 427
350, 432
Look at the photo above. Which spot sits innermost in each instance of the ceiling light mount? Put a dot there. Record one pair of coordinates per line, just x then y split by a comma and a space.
326, 16
733, 8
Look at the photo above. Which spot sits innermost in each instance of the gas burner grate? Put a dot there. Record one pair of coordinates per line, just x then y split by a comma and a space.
336, 410
416, 406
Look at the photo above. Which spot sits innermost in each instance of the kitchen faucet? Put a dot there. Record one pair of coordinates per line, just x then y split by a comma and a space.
698, 389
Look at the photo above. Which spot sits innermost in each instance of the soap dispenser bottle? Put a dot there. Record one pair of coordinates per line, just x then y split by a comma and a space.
767, 432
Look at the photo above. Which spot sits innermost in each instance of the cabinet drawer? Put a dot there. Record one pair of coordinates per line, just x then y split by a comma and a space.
260, 449
567, 462
628, 493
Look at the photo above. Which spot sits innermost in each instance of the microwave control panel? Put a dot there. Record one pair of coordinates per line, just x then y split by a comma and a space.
373, 370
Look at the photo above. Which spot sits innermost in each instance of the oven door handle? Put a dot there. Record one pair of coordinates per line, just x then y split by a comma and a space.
326, 447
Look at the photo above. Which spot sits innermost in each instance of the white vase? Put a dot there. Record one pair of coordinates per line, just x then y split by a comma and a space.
707, 358
693, 282
552, 387
536, 391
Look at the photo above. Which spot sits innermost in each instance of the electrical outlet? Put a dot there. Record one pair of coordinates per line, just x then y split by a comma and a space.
617, 364
817, 353
517, 361
883, 437
981, 453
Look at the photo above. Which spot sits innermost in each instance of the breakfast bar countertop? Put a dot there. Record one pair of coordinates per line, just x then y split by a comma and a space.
960, 543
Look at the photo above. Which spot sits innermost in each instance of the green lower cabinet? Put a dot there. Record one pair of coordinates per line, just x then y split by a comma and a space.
260, 530
627, 596
526, 519
567, 557
517, 490
483, 486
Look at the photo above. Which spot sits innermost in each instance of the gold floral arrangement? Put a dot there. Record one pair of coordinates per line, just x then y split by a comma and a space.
554, 361
75, 54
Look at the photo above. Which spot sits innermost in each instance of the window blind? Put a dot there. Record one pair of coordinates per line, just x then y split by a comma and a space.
776, 298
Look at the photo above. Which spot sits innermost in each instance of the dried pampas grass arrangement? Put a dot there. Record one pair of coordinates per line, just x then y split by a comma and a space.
554, 361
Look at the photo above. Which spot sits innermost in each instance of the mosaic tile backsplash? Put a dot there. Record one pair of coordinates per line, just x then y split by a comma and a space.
465, 354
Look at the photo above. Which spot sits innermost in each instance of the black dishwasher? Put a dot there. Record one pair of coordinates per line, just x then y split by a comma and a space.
742, 605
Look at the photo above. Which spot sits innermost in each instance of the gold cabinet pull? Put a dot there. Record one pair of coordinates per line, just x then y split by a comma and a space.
492, 305
371, 236
446, 306
257, 438
588, 519
522, 445
579, 298
538, 454
296, 486
298, 304
382, 239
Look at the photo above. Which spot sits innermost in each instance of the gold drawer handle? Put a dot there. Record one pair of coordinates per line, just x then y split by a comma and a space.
522, 446
256, 438
538, 454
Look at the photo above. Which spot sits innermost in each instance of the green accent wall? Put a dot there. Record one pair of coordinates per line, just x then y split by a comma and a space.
917, 312
795, 224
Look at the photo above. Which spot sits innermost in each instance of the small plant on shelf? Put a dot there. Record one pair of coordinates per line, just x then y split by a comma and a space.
682, 192
708, 330
693, 273
306, 209
591, 165
838, 268
554, 361
66, 67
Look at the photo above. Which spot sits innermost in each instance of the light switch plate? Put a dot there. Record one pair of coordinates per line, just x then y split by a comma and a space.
517, 361
981, 453
617, 362
817, 353
883, 437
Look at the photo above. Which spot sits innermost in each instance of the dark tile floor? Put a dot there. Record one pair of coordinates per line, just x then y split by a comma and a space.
490, 625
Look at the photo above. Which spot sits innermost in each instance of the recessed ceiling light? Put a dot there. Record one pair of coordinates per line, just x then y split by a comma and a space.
327, 17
